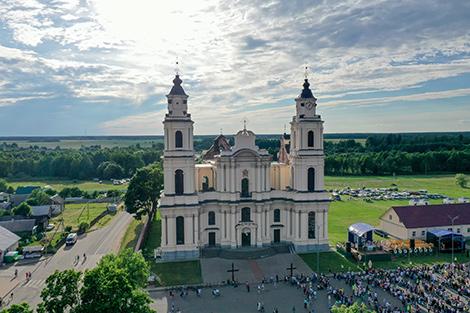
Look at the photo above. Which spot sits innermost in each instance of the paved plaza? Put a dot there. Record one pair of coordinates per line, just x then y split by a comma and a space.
282, 296
214, 270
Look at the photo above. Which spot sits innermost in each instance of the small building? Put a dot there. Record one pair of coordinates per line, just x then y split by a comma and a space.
4, 197
21, 194
414, 221
8, 242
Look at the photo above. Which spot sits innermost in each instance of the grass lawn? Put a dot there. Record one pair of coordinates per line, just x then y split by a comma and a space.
132, 234
328, 261
442, 184
154, 236
74, 214
177, 273
86, 185
334, 260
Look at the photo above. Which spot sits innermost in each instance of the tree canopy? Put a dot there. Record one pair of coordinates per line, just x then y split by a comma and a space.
144, 190
23, 209
114, 285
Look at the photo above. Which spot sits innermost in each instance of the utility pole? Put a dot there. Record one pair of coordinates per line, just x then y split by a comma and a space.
452, 219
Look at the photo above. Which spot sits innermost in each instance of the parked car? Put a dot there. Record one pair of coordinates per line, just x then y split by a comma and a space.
50, 227
71, 239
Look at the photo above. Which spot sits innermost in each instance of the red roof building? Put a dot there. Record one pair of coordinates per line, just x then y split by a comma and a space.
413, 221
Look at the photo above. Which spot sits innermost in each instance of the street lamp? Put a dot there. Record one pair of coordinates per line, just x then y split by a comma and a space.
452, 219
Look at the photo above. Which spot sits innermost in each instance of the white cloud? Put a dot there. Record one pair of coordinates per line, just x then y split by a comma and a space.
234, 55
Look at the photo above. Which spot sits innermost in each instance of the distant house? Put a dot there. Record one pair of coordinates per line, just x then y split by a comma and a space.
17, 224
8, 241
4, 197
414, 221
21, 194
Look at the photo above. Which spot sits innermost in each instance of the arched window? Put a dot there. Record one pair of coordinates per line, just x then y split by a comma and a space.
245, 187
205, 183
310, 141
311, 225
179, 182
246, 215
211, 218
311, 179
277, 216
178, 139
180, 230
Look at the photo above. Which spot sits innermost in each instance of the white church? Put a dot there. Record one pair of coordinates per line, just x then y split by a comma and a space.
236, 196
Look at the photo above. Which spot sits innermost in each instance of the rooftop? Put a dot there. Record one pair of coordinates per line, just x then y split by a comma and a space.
433, 215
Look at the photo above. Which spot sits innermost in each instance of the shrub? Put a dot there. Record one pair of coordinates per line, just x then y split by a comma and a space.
68, 229
83, 227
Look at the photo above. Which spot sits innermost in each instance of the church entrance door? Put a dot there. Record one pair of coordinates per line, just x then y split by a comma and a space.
246, 239
277, 236
211, 239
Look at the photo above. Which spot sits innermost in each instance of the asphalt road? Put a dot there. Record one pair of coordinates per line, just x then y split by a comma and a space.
94, 244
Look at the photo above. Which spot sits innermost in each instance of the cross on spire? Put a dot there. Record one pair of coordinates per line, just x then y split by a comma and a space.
306, 72
244, 124
177, 70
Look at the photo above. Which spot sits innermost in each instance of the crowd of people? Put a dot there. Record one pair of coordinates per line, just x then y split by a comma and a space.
440, 288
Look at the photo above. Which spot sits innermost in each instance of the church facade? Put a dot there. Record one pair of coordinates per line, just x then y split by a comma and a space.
236, 196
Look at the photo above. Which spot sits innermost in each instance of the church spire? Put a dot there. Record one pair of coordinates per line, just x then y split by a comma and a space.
306, 92
177, 89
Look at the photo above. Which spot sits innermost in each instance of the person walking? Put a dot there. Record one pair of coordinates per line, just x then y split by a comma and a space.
247, 286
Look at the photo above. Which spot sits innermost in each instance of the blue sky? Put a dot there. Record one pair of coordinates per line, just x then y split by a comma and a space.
75, 67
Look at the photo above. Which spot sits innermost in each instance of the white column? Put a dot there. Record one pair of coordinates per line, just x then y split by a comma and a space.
232, 227
171, 231
259, 229
258, 175
234, 188
268, 177
304, 227
196, 229
222, 175
164, 231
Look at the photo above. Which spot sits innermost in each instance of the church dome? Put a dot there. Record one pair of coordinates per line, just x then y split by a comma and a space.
177, 89
306, 92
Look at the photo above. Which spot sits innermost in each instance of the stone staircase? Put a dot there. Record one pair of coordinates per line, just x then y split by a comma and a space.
246, 253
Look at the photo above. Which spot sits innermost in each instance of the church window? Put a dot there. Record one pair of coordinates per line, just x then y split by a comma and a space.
185, 101
302, 104
245, 187
205, 183
311, 179
211, 218
178, 139
277, 216
310, 139
180, 230
169, 101
179, 182
302, 115
246, 215
311, 225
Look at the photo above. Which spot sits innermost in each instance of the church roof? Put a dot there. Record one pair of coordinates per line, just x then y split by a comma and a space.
306, 92
220, 144
177, 89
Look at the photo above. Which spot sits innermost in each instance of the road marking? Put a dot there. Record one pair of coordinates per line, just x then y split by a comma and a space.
36, 283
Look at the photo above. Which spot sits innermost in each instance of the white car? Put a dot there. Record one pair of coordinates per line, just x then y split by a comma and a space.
50, 227
71, 239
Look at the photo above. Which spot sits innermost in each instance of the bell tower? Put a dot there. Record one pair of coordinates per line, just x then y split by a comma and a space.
307, 157
178, 156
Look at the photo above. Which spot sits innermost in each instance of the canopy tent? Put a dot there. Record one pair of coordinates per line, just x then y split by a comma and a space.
445, 240
360, 233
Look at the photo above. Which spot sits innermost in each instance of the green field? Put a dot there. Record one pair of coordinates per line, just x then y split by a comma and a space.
131, 235
58, 185
347, 212
442, 184
79, 143
74, 214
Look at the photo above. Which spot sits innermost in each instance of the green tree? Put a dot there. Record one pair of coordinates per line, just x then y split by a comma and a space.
3, 185
38, 197
115, 285
144, 190
355, 308
61, 292
23, 209
461, 180
18, 308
